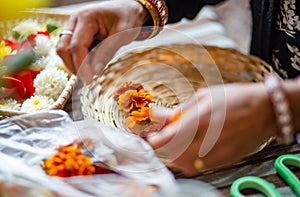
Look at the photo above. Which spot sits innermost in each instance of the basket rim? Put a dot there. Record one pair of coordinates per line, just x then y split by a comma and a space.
58, 104
50, 11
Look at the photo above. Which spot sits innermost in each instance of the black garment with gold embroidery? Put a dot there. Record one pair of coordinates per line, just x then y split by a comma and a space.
272, 44
286, 39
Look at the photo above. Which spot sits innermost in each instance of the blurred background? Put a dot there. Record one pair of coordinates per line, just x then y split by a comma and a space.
230, 20
233, 15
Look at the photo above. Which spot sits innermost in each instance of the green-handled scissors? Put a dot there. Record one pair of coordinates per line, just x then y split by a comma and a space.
265, 187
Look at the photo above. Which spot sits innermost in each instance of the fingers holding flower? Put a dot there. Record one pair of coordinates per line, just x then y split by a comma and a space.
192, 143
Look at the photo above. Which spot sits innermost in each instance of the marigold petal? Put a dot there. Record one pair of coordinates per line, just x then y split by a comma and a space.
125, 102
140, 115
126, 86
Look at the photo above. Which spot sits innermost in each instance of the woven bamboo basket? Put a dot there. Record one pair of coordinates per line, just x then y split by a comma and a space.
171, 73
41, 15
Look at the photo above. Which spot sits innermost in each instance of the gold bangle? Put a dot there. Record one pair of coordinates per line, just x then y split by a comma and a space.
159, 15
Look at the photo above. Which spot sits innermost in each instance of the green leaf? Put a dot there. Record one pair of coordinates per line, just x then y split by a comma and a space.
51, 26
18, 62
16, 35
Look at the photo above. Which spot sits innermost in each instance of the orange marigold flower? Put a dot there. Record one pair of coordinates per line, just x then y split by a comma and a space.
135, 127
134, 104
132, 100
69, 161
127, 86
141, 99
142, 114
125, 102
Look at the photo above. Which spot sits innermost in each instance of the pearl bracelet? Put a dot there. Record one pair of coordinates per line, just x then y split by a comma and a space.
282, 111
159, 17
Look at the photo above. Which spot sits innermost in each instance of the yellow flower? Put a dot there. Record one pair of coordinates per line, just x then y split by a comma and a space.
4, 50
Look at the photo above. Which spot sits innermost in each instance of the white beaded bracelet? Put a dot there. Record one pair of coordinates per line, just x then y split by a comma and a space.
282, 111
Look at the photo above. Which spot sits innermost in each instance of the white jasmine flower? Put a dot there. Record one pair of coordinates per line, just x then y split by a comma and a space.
50, 82
27, 27
43, 46
56, 62
41, 63
36, 103
9, 104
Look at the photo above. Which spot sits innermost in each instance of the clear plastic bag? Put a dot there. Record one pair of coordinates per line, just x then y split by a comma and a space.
26, 140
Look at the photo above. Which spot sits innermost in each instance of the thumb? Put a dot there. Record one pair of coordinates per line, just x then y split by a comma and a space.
162, 114
167, 116
162, 137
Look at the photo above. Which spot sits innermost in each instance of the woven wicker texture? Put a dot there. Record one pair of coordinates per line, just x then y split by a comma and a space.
171, 73
41, 15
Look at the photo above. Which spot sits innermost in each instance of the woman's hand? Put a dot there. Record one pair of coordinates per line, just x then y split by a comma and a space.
220, 126
116, 23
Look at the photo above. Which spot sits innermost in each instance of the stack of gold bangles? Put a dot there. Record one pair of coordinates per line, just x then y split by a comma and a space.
159, 17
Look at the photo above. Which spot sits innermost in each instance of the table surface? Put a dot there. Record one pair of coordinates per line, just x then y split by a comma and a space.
260, 164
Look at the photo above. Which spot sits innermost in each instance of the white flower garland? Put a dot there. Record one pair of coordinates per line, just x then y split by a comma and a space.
54, 76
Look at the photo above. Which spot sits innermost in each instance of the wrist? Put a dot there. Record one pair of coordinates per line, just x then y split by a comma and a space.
292, 88
141, 11
264, 110
157, 18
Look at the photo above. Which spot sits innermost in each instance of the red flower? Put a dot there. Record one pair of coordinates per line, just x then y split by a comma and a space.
12, 43
27, 77
31, 38
19, 86
12, 87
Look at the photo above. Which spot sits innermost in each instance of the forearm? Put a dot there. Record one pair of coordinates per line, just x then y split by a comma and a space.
292, 89
179, 9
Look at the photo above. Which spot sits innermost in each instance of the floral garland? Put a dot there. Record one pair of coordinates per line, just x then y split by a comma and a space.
32, 76
133, 103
